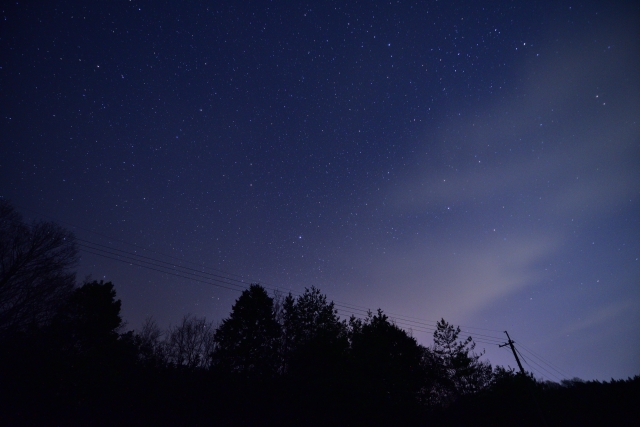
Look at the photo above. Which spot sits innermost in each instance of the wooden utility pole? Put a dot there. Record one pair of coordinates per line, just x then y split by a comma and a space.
513, 349
510, 343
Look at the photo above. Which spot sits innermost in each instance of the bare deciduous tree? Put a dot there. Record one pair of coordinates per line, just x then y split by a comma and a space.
36, 276
152, 349
191, 343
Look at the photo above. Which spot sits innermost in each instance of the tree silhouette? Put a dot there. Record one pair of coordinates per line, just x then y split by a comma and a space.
314, 354
387, 359
247, 341
190, 344
35, 270
455, 369
313, 334
152, 350
90, 318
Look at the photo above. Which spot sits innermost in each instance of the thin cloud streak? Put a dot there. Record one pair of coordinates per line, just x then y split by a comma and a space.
458, 280
578, 167
538, 171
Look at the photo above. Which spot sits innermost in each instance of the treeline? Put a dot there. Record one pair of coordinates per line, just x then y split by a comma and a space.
66, 359
321, 365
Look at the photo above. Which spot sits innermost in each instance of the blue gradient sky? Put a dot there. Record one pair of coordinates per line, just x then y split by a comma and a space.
477, 162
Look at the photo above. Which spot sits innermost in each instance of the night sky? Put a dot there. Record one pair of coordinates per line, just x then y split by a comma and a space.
477, 161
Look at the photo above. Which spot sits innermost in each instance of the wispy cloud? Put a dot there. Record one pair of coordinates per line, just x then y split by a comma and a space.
607, 313
563, 147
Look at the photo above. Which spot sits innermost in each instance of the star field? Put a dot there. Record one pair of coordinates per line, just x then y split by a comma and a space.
477, 162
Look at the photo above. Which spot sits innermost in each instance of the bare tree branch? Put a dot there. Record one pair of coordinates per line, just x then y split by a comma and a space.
36, 262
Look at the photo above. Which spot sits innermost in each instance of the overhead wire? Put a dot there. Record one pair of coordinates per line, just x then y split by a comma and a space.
232, 274
225, 282
216, 280
166, 272
543, 360
177, 270
127, 256
91, 245
550, 374
433, 325
121, 240
541, 374
170, 269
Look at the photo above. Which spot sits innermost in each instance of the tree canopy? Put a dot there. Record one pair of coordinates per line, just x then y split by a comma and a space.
36, 269
247, 341
455, 369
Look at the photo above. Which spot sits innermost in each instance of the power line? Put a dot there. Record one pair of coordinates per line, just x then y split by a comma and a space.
171, 270
224, 282
166, 272
432, 326
461, 326
91, 245
161, 266
541, 374
121, 240
353, 306
191, 274
543, 360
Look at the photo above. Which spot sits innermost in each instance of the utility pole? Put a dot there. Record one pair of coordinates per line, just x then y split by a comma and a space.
513, 349
510, 343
